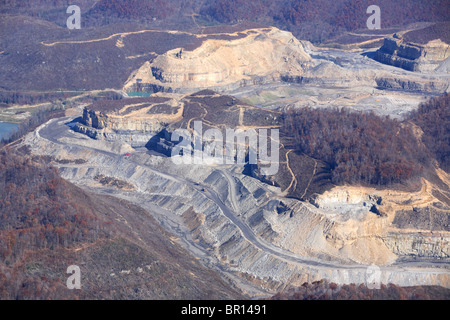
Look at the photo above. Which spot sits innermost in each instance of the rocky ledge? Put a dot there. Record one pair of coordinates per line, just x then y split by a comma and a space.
134, 121
413, 56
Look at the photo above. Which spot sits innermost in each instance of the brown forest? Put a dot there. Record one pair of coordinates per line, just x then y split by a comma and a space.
363, 148
317, 20
38, 210
40, 213
433, 117
359, 147
314, 20
323, 290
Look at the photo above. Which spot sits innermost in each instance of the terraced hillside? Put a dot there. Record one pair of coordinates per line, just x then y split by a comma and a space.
252, 228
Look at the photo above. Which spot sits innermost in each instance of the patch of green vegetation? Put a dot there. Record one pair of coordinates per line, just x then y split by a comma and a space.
269, 96
253, 100
33, 266
264, 97
332, 45
139, 94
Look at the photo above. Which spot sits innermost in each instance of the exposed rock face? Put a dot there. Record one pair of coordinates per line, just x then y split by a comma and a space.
134, 122
254, 57
230, 119
418, 245
421, 233
414, 84
261, 56
412, 56
341, 230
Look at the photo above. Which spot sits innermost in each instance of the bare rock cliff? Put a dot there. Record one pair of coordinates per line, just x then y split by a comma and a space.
134, 122
412, 56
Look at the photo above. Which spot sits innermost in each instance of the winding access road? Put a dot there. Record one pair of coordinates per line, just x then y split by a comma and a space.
55, 129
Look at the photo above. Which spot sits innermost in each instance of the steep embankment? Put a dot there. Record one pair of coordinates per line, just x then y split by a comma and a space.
133, 121
423, 50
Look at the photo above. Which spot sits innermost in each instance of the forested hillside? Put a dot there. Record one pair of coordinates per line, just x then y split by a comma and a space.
314, 20
433, 117
38, 211
369, 149
39, 208
359, 147
323, 290
133, 9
